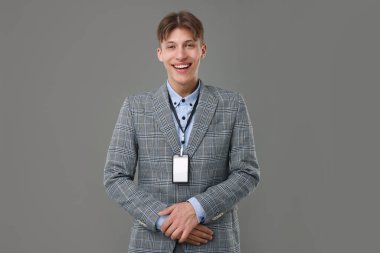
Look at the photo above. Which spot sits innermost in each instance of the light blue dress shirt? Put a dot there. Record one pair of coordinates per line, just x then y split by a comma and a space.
183, 107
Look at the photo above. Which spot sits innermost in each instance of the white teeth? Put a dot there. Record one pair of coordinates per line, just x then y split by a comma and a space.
182, 66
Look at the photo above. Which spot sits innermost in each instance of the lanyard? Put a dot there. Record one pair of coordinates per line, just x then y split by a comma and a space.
188, 120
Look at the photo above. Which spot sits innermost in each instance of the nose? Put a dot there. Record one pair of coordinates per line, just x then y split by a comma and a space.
181, 54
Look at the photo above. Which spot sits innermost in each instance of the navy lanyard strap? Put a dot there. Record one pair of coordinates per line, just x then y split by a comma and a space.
176, 116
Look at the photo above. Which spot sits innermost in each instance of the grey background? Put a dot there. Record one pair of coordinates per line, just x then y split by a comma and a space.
309, 71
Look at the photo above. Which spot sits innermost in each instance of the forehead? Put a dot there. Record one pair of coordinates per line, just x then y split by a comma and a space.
179, 35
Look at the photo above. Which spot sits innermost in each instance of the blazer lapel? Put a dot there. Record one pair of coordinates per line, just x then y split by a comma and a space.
202, 118
163, 116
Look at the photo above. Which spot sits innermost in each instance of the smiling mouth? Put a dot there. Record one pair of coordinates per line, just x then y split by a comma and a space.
182, 66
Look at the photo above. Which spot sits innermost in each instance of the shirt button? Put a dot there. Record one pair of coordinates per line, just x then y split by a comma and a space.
183, 117
175, 103
191, 104
183, 100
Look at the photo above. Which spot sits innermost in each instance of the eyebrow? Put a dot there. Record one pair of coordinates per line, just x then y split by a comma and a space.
172, 42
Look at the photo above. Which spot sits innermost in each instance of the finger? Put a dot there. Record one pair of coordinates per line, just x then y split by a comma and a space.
201, 234
176, 234
167, 210
167, 223
204, 229
196, 239
184, 235
170, 231
192, 242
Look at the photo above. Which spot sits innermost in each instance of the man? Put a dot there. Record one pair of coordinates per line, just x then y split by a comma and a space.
194, 148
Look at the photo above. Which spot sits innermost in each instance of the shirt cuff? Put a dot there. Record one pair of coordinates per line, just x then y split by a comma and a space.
199, 211
160, 221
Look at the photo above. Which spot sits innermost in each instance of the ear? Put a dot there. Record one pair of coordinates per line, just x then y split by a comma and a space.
204, 50
159, 54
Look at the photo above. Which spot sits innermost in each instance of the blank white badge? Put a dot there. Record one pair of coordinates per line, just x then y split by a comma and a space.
180, 169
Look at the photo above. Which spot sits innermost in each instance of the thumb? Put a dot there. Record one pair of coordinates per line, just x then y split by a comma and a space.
167, 210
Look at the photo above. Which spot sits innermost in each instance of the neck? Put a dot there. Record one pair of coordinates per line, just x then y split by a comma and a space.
184, 89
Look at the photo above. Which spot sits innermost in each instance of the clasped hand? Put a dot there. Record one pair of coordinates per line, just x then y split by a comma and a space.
182, 224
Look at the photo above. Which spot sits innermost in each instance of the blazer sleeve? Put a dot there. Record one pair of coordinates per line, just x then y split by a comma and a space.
244, 172
120, 170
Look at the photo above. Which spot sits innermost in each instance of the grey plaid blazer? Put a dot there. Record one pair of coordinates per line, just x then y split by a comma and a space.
223, 166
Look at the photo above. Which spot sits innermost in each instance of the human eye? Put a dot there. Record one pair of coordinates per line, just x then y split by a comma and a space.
190, 45
170, 46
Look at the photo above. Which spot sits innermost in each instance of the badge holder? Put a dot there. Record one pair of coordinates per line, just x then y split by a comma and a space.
181, 168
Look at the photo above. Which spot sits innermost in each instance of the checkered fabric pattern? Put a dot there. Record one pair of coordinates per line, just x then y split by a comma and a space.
223, 166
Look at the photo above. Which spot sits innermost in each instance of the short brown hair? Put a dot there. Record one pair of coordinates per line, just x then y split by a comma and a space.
182, 19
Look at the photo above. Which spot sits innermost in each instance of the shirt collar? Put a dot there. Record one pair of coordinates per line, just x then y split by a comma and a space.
177, 99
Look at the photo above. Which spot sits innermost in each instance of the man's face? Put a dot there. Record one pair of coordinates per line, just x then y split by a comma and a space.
181, 55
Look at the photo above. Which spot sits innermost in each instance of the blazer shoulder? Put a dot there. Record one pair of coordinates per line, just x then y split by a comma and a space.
225, 96
139, 101
140, 97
